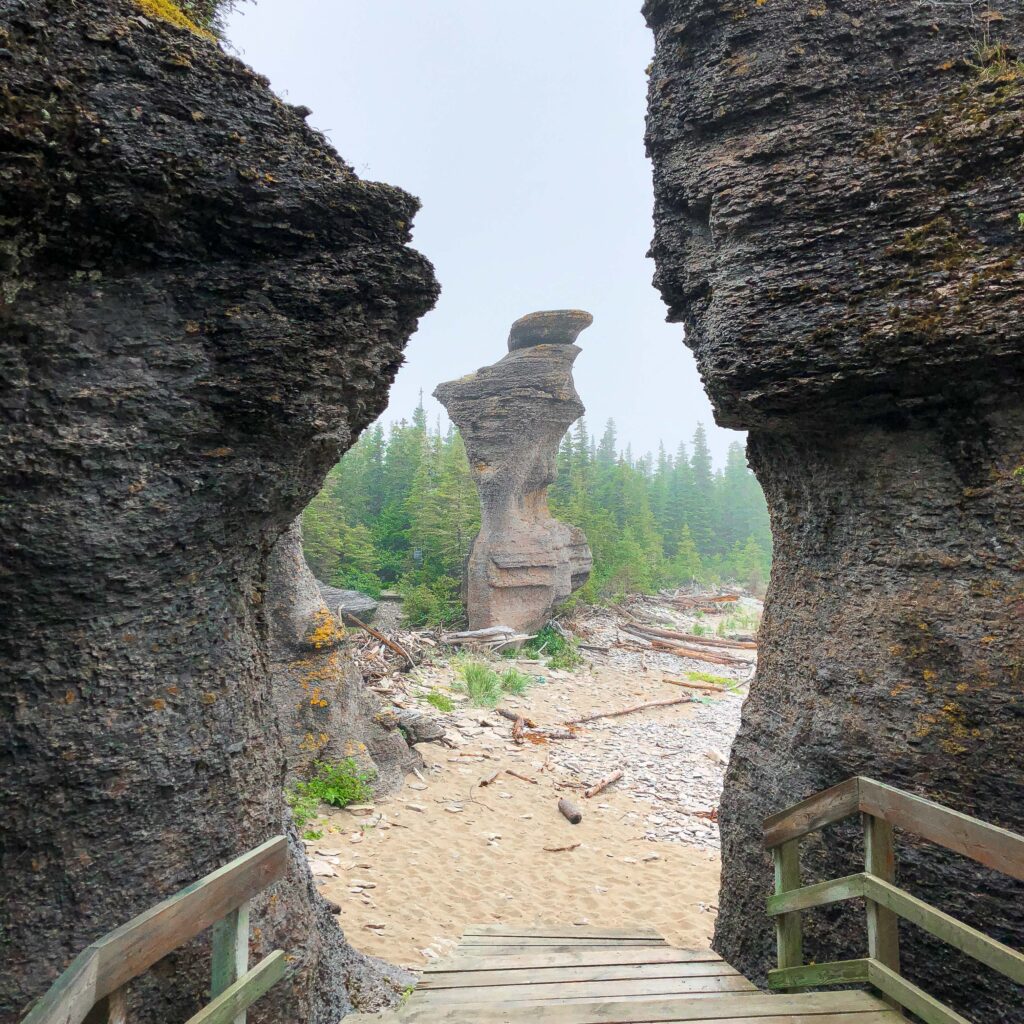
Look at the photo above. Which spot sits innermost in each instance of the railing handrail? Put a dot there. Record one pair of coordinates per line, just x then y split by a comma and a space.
881, 807
105, 966
990, 845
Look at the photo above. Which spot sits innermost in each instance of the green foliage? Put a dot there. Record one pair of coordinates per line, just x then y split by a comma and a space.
707, 677
513, 681
560, 652
434, 603
485, 687
439, 700
338, 784
401, 510
481, 684
697, 629
304, 806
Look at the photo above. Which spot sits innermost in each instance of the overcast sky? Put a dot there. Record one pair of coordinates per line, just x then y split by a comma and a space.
520, 127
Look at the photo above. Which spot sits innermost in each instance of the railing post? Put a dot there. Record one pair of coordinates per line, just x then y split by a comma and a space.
883, 924
230, 952
788, 933
112, 1009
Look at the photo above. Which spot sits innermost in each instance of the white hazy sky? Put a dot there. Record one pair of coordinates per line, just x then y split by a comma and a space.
520, 127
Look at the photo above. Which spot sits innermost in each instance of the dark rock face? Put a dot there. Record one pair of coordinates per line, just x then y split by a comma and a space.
324, 710
513, 416
203, 306
837, 188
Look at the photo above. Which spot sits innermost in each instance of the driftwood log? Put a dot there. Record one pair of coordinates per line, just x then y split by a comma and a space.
629, 711
382, 638
601, 786
570, 811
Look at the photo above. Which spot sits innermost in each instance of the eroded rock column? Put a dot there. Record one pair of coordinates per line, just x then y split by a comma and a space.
512, 417
204, 305
837, 190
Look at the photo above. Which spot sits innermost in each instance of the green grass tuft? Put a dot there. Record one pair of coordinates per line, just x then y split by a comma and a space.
438, 700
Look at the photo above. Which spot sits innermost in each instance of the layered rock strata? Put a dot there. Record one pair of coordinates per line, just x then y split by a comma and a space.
203, 306
512, 417
324, 709
837, 194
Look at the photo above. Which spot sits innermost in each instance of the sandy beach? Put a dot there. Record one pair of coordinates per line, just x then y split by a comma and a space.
444, 852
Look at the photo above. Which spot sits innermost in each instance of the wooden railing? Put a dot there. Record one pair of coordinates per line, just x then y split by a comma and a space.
94, 987
882, 807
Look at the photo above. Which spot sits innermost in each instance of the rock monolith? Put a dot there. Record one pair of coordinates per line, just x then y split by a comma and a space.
202, 307
512, 417
325, 711
837, 224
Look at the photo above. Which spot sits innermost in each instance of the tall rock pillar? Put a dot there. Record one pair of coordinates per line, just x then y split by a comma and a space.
837, 224
202, 307
513, 416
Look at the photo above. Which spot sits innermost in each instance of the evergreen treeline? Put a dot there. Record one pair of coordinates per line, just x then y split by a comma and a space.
401, 509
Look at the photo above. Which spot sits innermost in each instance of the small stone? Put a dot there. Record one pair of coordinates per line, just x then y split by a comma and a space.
416, 807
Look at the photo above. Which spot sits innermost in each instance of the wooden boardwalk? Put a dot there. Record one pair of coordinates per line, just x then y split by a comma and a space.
570, 975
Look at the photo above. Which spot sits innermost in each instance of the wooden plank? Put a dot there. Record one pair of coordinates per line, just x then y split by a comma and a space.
911, 997
788, 930
113, 960
489, 951
817, 895
968, 940
880, 862
562, 991
612, 972
746, 1007
517, 1014
815, 812
243, 993
71, 997
987, 844
230, 959
527, 940
600, 956
134, 947
837, 972
560, 931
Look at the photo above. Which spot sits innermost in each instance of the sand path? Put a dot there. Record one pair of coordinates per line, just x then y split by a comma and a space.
448, 853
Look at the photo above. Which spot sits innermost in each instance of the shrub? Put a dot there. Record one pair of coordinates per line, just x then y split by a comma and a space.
433, 603
338, 784
438, 700
561, 653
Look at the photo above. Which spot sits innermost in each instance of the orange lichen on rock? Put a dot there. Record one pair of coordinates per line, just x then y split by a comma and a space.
166, 10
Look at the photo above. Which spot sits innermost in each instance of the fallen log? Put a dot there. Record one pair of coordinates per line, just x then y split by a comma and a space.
382, 638
601, 786
629, 711
523, 778
696, 654
549, 849
553, 734
488, 779
671, 634
703, 687
570, 811
513, 716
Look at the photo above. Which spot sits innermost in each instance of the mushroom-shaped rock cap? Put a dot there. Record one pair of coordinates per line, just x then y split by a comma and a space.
549, 327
